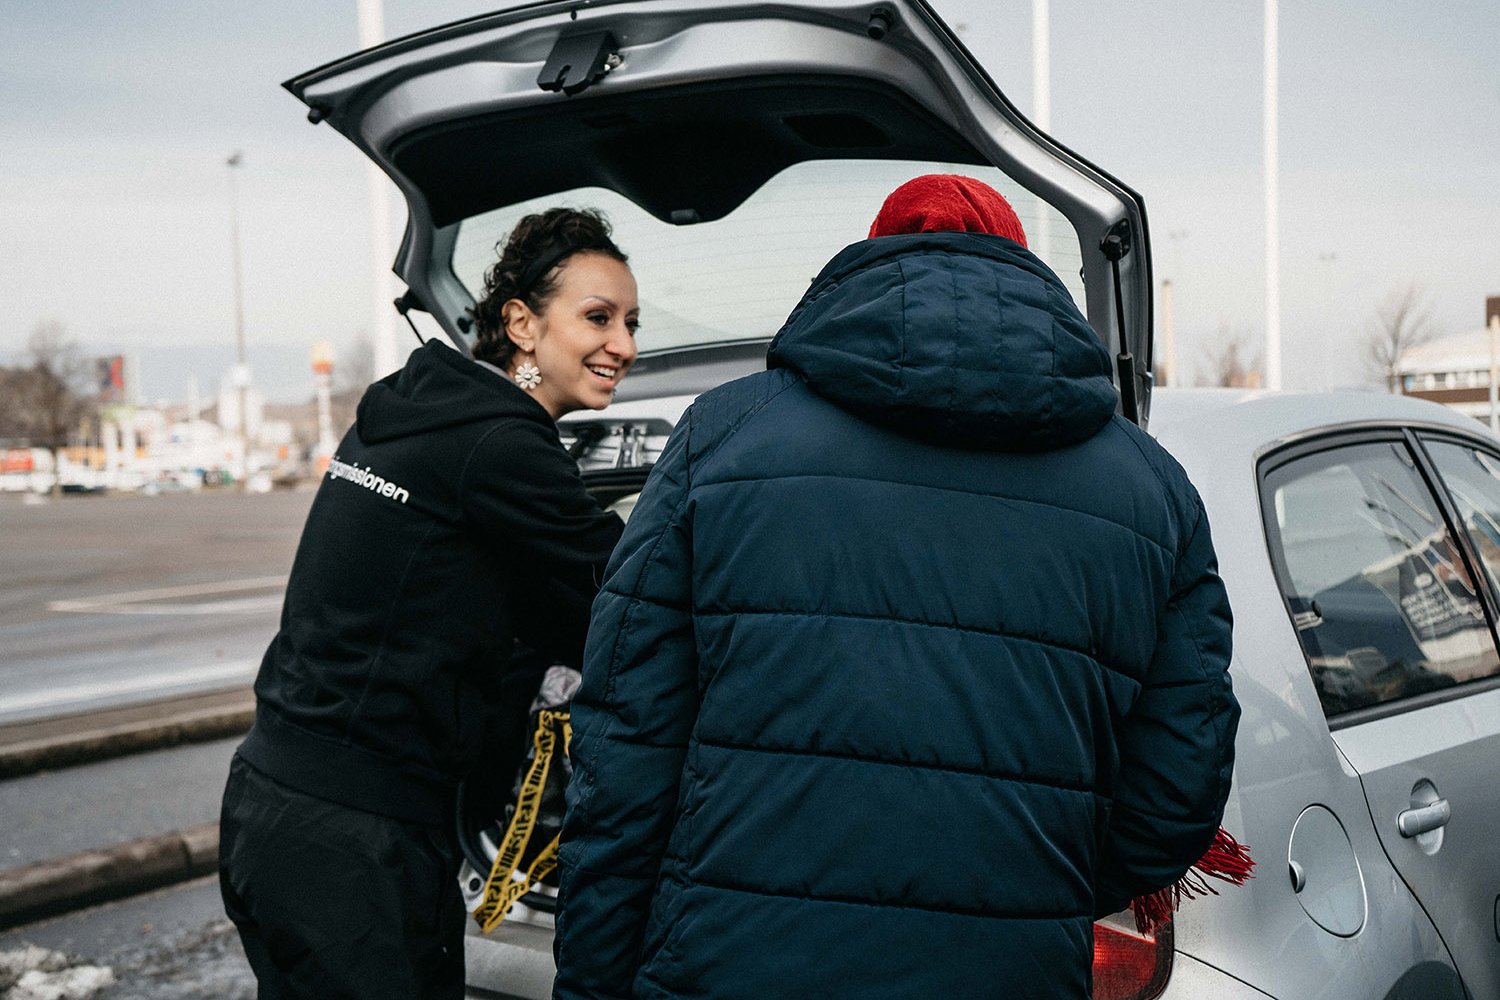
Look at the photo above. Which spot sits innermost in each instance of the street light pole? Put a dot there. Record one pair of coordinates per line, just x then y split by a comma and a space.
1492, 323
1173, 377
371, 15
1327, 258
1273, 222
241, 376
1041, 89
1166, 366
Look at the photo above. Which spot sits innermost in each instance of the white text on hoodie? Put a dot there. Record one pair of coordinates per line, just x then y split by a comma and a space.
366, 478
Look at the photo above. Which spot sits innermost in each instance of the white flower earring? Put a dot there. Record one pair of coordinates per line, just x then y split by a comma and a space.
528, 375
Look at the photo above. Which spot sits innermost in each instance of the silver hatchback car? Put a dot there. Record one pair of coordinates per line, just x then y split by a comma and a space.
738, 145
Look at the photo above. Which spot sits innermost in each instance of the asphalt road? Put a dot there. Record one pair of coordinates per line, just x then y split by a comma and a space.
111, 599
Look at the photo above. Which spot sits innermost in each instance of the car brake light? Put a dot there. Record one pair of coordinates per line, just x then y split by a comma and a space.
1129, 965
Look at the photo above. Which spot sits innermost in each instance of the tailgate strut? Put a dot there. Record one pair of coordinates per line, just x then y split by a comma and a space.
1116, 244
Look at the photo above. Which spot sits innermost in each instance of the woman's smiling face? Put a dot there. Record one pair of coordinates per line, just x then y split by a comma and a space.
583, 340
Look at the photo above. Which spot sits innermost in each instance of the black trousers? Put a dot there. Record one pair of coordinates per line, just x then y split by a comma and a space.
333, 902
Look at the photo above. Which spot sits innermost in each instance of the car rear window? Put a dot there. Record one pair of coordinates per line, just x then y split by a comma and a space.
737, 278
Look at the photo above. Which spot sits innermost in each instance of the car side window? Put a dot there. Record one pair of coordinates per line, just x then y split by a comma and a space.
1379, 594
1473, 481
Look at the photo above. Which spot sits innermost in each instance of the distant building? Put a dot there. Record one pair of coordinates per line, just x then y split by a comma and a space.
229, 409
1452, 370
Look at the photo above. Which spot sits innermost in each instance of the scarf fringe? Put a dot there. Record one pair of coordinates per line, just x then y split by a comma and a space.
1226, 860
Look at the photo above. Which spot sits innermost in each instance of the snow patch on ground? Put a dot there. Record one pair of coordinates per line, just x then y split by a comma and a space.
200, 963
33, 973
14, 963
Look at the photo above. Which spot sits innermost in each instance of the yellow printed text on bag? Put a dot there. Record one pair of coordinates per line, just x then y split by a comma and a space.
506, 883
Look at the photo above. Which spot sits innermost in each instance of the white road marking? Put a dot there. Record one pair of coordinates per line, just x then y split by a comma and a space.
233, 670
136, 602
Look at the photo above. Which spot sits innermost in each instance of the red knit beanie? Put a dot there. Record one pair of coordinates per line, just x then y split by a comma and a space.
947, 203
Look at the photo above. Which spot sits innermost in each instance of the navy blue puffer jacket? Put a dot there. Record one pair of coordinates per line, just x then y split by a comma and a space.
913, 660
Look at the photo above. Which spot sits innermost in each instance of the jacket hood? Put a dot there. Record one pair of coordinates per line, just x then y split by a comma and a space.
963, 338
439, 387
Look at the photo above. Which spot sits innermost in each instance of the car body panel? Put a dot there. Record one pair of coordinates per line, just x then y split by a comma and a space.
403, 104
397, 102
1287, 757
1192, 978
521, 957
513, 960
1453, 747
1259, 940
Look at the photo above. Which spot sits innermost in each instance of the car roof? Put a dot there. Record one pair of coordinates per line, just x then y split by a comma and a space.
1202, 426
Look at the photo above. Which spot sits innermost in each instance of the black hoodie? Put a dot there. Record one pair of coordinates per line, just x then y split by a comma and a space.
450, 523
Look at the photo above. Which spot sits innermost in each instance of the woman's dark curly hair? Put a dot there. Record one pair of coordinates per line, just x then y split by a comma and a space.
527, 267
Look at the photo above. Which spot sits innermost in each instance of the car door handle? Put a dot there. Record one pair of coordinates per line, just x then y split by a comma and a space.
1415, 822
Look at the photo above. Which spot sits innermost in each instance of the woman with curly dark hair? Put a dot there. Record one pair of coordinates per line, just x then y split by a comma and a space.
513, 321
451, 524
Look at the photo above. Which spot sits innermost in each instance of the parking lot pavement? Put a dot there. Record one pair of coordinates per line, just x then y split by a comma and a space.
173, 944
102, 831
130, 628
55, 813
114, 600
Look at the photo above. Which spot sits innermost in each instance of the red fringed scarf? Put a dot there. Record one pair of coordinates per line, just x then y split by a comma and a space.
1226, 860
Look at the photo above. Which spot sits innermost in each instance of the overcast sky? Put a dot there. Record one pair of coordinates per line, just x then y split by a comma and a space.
116, 119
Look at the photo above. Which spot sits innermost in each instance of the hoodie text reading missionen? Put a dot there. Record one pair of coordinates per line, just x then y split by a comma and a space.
366, 478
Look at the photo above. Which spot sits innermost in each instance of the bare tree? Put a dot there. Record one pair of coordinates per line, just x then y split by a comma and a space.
1230, 361
1403, 320
50, 396
15, 425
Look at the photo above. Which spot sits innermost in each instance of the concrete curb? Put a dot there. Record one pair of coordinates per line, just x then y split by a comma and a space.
60, 885
54, 743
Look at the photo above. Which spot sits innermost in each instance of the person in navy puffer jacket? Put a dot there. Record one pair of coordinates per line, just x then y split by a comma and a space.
913, 659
